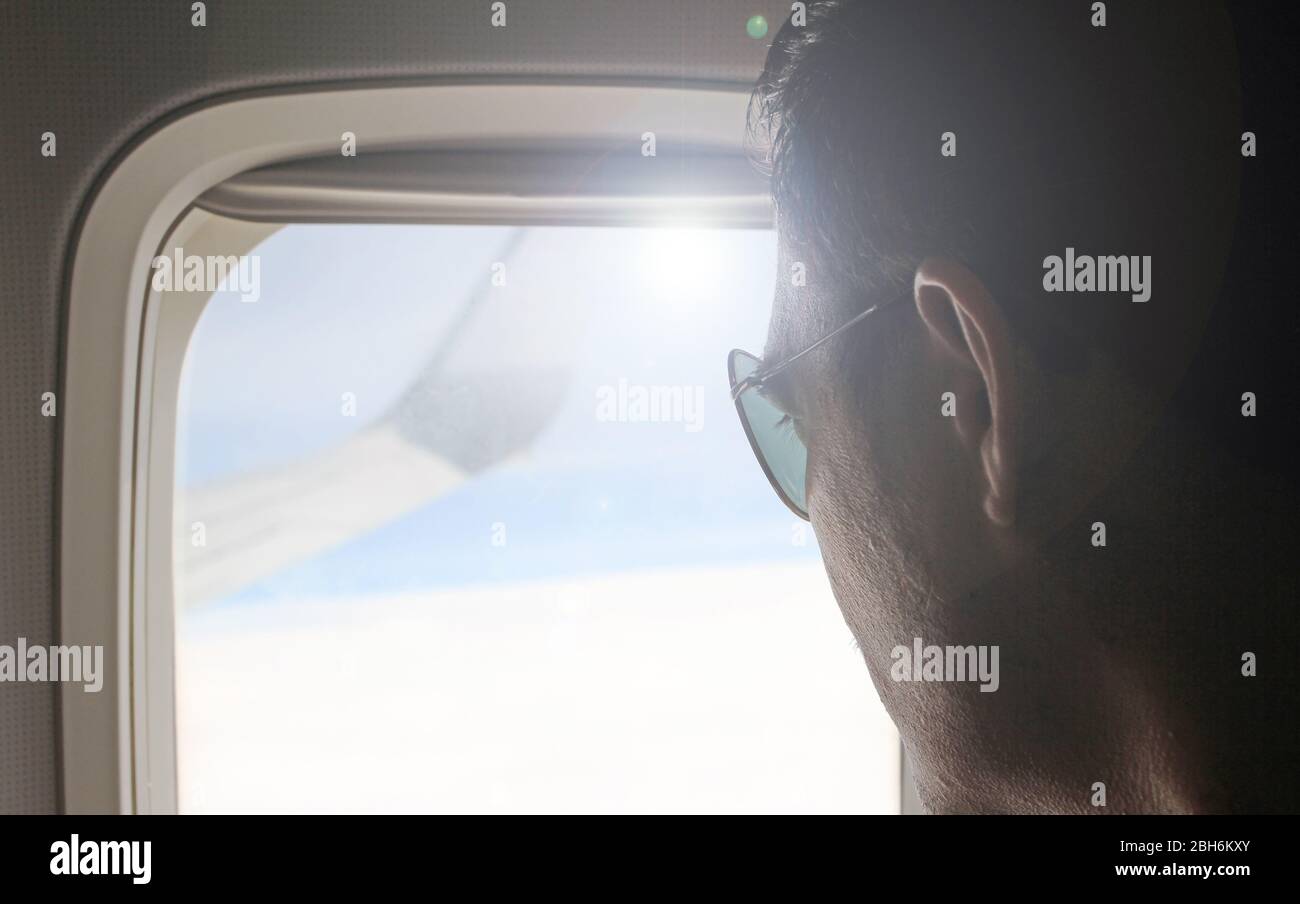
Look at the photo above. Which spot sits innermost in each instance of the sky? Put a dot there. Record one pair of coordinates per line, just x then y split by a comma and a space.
656, 635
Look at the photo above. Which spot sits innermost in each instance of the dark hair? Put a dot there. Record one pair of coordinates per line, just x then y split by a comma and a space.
1122, 139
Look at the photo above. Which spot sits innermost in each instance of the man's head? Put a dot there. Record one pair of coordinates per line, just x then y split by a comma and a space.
967, 447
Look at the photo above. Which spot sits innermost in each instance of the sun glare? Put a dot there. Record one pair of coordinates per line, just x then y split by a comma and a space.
683, 263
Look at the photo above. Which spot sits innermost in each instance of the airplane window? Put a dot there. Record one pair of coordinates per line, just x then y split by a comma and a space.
466, 523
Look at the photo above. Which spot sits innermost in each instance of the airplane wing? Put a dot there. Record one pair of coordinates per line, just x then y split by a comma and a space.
495, 380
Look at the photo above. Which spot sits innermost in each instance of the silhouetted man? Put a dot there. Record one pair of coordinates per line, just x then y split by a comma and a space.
1033, 456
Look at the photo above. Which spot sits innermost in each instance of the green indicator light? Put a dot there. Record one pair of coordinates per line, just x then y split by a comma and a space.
757, 27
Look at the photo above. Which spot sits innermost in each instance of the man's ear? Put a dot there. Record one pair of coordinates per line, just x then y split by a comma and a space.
966, 324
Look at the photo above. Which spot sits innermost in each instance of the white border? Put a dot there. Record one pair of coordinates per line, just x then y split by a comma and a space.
169, 323
111, 743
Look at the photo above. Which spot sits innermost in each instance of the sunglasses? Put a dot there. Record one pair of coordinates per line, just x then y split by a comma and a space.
770, 430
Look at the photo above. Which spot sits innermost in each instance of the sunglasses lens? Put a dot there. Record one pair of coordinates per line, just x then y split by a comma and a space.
783, 454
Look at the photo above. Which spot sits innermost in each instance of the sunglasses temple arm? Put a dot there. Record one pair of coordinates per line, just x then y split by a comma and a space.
775, 369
